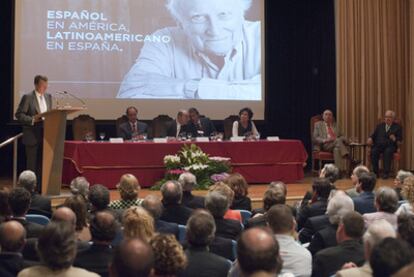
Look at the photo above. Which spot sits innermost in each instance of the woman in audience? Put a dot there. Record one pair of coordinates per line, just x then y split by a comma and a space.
244, 126
169, 256
408, 193
399, 180
138, 223
386, 202
78, 205
80, 186
225, 190
128, 188
241, 189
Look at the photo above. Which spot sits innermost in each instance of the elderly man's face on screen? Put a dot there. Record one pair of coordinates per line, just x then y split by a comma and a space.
214, 26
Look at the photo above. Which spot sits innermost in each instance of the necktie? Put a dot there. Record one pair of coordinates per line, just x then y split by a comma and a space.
134, 128
331, 132
387, 128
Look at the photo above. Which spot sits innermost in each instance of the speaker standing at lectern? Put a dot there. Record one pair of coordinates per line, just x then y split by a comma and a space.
32, 104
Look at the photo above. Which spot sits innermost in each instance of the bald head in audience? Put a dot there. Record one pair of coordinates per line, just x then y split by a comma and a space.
103, 227
172, 192
64, 214
12, 236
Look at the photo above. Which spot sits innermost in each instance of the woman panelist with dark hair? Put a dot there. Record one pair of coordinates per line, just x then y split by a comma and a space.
245, 126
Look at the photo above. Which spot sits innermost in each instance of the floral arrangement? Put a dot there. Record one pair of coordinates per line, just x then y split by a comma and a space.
191, 158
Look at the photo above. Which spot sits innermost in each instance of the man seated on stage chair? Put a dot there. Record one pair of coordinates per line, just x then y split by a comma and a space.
133, 128
180, 125
328, 137
385, 141
200, 126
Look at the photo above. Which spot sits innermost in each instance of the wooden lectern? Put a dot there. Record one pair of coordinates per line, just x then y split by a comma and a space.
53, 145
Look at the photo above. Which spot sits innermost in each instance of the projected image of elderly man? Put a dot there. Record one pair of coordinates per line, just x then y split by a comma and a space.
214, 53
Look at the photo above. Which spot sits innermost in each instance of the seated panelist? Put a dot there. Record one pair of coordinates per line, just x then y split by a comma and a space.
132, 128
200, 126
245, 125
179, 126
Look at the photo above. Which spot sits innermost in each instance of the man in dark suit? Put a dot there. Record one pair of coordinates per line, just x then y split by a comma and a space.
365, 201
201, 262
39, 204
133, 128
31, 105
188, 181
385, 141
179, 126
200, 126
99, 255
349, 249
173, 209
19, 200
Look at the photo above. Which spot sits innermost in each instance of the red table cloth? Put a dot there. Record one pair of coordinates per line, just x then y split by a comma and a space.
104, 162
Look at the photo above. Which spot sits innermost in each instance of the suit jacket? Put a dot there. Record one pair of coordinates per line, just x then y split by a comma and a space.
328, 261
165, 227
125, 129
364, 203
40, 205
11, 264
381, 137
220, 246
192, 201
243, 203
323, 239
202, 263
207, 127
314, 209
95, 259
172, 128
320, 133
228, 228
313, 225
33, 230
176, 213
28, 108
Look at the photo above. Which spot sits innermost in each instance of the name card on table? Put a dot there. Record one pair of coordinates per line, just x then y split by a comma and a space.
160, 140
239, 138
116, 140
202, 139
273, 138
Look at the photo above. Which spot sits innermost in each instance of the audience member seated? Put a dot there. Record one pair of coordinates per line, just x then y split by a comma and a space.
169, 256
188, 181
218, 204
408, 193
296, 258
328, 137
80, 186
133, 257
128, 188
375, 233
78, 205
330, 172
132, 128
39, 204
57, 250
338, 206
272, 196
99, 255
277, 185
386, 202
245, 126
399, 180
12, 241
225, 190
99, 198
19, 201
5, 212
389, 256
313, 225
138, 223
321, 188
356, 174
406, 228
365, 201
241, 189
173, 209
200, 126
179, 126
201, 262
349, 249
153, 205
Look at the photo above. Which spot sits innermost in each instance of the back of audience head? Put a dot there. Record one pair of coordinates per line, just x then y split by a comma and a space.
19, 201
78, 205
187, 181
406, 228
279, 185
273, 196
401, 176
201, 229
330, 172
280, 219
28, 180
217, 204
367, 182
57, 245
99, 197
80, 186
223, 189
172, 193
103, 227
408, 189
169, 256
258, 251
12, 236
64, 214
153, 205
389, 256
356, 173
352, 226
128, 187
238, 184
376, 232
322, 187
138, 223
133, 258
4, 202
386, 200
338, 206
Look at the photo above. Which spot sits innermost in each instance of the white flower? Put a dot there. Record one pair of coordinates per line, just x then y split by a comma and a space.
171, 159
219, 159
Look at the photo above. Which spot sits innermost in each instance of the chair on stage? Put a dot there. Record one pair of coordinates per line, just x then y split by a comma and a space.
228, 125
321, 156
118, 123
159, 127
84, 127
